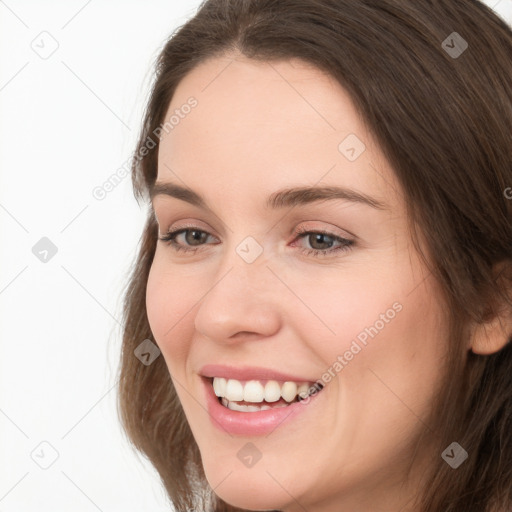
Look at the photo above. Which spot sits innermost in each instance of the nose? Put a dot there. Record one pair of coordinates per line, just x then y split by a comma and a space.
243, 302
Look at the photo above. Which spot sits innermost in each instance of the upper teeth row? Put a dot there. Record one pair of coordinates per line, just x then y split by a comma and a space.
255, 391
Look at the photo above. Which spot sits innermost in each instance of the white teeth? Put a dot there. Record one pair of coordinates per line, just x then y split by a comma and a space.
272, 391
234, 390
219, 386
235, 407
249, 408
303, 390
255, 392
289, 391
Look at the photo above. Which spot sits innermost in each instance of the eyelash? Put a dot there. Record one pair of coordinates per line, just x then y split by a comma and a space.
169, 239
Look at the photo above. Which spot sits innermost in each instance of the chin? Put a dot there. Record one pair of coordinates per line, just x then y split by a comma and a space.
250, 497
249, 489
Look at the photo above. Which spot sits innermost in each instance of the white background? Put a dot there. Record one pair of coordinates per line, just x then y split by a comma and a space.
67, 123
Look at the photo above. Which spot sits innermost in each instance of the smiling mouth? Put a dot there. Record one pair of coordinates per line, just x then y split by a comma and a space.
261, 395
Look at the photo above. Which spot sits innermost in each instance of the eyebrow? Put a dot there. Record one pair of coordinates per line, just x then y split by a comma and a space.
289, 197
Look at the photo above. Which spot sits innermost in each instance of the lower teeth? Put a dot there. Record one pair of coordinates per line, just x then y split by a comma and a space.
234, 406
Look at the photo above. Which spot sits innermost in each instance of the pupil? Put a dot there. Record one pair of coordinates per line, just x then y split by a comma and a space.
197, 236
318, 237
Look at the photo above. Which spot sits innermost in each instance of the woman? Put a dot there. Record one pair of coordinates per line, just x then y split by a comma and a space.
325, 266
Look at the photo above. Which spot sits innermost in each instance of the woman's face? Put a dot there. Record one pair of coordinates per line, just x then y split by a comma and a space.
277, 287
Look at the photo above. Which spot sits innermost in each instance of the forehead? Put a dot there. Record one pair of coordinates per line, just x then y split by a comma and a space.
265, 125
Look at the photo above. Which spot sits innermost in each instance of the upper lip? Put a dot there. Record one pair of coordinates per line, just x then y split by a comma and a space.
244, 373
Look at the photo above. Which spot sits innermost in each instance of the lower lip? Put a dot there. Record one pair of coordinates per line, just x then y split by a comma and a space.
252, 423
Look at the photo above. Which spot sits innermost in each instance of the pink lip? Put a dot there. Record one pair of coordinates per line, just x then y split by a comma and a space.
249, 373
253, 423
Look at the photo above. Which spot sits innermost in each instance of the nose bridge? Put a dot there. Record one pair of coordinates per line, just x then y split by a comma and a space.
245, 262
242, 297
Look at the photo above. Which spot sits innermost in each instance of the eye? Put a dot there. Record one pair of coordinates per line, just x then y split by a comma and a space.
194, 238
321, 237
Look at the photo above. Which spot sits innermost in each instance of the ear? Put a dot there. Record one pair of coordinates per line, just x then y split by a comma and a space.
492, 335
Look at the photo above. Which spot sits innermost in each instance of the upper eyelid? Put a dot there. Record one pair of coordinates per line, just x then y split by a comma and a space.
195, 224
186, 228
301, 233
224, 226
205, 230
164, 210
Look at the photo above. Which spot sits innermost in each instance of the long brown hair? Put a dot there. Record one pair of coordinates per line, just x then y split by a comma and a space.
444, 122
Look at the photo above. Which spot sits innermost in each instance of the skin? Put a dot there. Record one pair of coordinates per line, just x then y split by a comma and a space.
258, 128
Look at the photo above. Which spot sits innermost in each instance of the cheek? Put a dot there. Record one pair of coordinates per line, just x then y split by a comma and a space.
167, 304
351, 311
386, 336
392, 360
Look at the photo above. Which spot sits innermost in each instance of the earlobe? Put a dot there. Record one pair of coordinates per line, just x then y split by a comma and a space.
495, 330
492, 336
